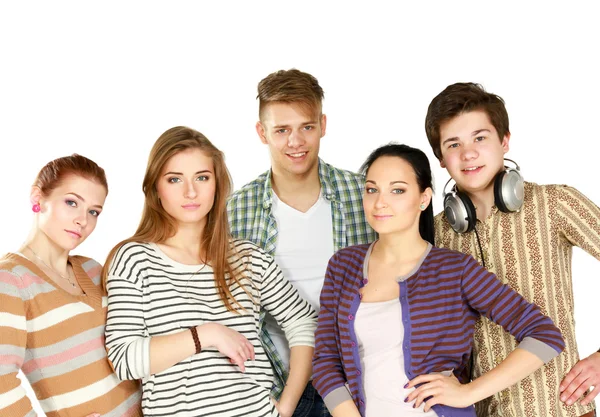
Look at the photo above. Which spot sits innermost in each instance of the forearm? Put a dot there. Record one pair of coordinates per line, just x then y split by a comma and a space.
299, 375
168, 350
346, 409
517, 365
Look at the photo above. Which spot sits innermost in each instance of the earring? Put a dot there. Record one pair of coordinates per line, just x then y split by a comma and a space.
422, 207
36, 208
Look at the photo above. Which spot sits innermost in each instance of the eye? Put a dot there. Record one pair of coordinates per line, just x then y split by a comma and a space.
453, 145
282, 130
173, 180
203, 178
370, 190
94, 213
309, 127
71, 203
397, 191
479, 138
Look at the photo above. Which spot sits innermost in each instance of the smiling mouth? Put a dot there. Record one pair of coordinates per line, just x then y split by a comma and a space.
297, 155
71, 232
470, 169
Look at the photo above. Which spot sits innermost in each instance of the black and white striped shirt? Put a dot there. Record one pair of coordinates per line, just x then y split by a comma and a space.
150, 294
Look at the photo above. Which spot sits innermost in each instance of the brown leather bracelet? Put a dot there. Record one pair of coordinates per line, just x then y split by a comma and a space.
196, 339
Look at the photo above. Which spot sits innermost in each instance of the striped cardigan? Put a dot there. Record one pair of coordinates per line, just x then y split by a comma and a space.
57, 340
440, 301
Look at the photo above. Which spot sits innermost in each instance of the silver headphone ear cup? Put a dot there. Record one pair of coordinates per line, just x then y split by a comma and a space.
511, 191
460, 212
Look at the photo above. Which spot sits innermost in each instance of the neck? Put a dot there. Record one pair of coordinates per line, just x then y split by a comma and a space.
47, 250
187, 238
298, 191
400, 247
483, 201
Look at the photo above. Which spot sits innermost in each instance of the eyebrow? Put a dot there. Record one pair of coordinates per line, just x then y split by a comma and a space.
310, 122
181, 173
391, 182
474, 133
83, 199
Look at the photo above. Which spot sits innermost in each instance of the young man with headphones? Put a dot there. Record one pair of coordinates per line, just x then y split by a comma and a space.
524, 233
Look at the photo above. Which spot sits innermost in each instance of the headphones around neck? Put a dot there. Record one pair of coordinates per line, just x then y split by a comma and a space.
508, 197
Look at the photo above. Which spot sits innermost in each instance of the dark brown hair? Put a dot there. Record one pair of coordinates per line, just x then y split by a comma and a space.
157, 225
463, 98
52, 174
290, 86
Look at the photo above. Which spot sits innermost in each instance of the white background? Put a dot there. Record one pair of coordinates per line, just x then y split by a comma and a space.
105, 79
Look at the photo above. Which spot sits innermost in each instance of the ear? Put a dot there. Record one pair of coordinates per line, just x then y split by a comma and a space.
35, 196
323, 124
442, 163
426, 196
260, 129
505, 141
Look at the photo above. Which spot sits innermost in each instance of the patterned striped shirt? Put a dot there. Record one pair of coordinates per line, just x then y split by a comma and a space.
150, 294
57, 340
250, 218
440, 300
531, 251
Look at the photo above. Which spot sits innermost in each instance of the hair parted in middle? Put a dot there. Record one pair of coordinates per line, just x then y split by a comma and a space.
156, 225
461, 98
291, 86
420, 165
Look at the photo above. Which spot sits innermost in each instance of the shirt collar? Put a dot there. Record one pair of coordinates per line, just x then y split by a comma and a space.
325, 178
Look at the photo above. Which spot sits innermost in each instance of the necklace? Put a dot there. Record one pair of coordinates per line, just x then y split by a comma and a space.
50, 268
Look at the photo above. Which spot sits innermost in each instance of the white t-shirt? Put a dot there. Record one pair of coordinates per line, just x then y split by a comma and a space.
304, 246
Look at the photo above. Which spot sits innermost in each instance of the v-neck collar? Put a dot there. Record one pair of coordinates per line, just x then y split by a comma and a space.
91, 292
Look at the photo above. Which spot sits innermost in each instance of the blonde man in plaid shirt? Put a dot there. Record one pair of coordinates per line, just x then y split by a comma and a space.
300, 211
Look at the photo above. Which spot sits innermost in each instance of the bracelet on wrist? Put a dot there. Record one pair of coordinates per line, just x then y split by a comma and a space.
197, 344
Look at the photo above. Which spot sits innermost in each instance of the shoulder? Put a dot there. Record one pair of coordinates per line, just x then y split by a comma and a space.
250, 190
249, 250
129, 255
11, 269
350, 258
339, 177
443, 257
91, 267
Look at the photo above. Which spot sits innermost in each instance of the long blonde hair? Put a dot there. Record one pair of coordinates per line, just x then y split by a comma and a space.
157, 225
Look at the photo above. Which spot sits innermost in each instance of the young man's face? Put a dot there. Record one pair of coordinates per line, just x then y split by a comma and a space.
472, 152
293, 136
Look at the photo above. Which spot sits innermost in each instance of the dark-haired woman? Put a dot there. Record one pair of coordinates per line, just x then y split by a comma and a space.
397, 316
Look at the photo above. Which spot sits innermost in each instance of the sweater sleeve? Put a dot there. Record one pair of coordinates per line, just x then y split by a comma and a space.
328, 374
127, 341
13, 339
533, 330
293, 314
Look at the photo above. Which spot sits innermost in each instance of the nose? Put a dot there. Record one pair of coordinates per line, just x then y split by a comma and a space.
295, 139
380, 202
81, 220
190, 191
469, 152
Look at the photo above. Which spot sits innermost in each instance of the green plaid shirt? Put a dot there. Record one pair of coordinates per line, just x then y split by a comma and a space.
250, 218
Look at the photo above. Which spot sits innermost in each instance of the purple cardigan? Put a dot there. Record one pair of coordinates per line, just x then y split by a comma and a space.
441, 300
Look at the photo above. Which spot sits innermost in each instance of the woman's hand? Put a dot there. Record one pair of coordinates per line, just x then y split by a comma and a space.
283, 411
439, 389
227, 341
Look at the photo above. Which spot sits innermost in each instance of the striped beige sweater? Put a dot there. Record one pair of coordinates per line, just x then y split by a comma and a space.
57, 340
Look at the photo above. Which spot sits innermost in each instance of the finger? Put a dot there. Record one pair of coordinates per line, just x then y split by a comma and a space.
573, 386
577, 393
422, 379
238, 360
591, 395
430, 403
571, 375
252, 354
425, 394
247, 351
